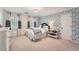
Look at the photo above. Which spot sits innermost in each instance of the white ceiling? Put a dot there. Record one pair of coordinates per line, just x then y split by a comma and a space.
45, 11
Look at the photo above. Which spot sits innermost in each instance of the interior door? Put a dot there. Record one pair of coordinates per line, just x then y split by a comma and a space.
66, 32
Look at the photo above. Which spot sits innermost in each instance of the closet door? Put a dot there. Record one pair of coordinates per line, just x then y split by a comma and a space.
66, 23
75, 24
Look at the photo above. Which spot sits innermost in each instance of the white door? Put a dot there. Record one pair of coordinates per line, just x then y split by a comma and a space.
66, 32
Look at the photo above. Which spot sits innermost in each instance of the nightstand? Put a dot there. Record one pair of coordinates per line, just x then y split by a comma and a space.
53, 34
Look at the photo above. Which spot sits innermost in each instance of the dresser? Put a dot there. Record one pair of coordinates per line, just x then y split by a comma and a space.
4, 40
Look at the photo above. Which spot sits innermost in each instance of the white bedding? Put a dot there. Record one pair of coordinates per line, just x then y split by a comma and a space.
35, 33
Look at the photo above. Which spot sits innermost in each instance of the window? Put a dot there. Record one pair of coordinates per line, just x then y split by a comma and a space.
35, 24
28, 24
14, 22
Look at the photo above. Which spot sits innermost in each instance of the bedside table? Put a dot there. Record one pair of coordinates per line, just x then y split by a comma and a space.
53, 34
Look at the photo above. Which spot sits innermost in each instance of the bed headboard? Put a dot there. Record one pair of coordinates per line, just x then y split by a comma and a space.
45, 24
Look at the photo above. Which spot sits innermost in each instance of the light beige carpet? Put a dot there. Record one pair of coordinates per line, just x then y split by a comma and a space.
22, 43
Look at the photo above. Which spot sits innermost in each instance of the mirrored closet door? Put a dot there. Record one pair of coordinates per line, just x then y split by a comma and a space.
75, 24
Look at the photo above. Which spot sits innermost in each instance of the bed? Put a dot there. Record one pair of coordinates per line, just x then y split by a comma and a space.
35, 34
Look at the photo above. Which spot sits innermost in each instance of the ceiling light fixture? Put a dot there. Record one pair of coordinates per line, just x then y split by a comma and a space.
36, 9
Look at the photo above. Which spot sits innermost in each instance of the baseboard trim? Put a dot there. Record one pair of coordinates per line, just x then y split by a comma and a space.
74, 41
71, 40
